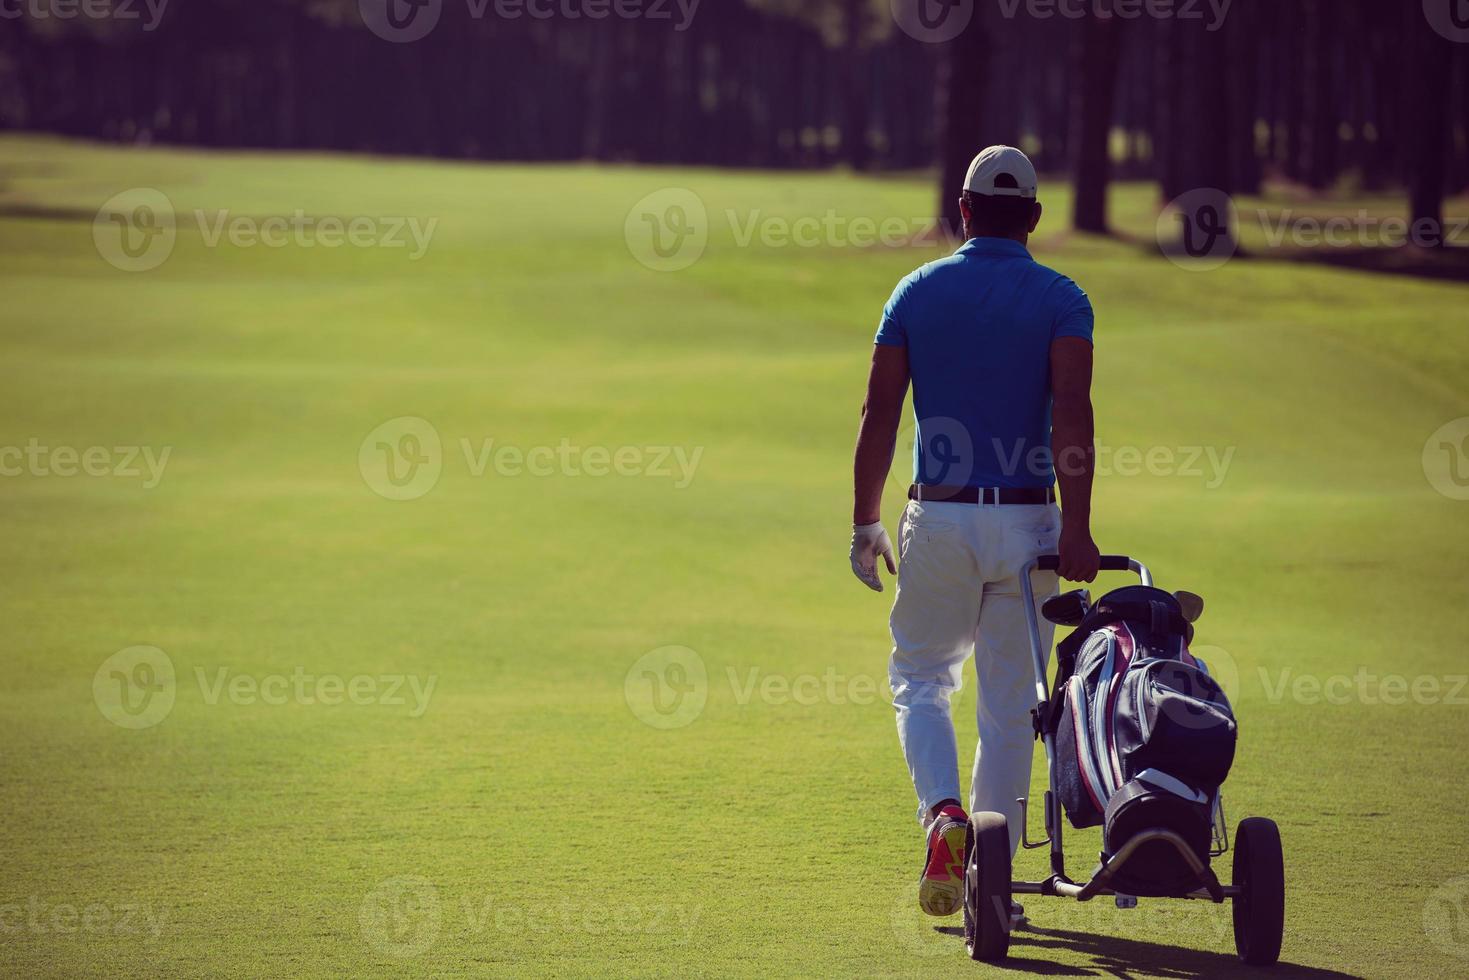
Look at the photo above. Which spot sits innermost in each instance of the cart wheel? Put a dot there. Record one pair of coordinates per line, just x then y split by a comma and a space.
1259, 908
987, 887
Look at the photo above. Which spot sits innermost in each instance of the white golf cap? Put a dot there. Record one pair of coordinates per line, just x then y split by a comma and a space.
1002, 161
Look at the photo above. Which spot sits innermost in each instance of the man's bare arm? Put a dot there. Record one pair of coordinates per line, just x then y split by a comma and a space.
887, 386
1073, 446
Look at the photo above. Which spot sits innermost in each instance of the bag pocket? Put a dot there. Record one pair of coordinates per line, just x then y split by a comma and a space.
1073, 757
1180, 722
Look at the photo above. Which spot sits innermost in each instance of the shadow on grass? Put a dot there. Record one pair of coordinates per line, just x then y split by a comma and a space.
1448, 263
40, 212
1126, 959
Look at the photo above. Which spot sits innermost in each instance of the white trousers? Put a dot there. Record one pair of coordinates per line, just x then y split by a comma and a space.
959, 592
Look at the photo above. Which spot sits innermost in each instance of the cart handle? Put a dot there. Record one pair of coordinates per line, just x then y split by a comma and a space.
1110, 563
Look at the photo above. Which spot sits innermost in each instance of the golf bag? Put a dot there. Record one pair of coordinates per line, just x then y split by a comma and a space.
1144, 736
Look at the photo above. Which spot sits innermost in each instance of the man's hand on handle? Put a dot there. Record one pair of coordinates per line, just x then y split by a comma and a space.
868, 542
1079, 556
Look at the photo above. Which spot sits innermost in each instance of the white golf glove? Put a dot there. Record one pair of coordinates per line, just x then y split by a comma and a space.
868, 542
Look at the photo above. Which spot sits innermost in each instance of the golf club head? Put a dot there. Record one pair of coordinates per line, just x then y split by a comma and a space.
1068, 608
1192, 604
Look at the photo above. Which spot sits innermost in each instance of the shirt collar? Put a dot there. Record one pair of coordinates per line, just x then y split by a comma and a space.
994, 246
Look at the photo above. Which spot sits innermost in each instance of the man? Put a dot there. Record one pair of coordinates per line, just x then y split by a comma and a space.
999, 352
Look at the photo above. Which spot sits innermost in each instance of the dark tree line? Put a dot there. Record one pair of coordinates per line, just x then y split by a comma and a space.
1313, 91
739, 87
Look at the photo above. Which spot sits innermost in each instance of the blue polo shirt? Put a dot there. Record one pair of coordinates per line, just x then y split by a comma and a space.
978, 326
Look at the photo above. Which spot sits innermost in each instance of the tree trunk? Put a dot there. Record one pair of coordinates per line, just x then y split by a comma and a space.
597, 92
1460, 174
1170, 110
1098, 47
961, 94
1242, 37
1294, 86
1319, 163
855, 94
1383, 70
1204, 173
1210, 132
1432, 69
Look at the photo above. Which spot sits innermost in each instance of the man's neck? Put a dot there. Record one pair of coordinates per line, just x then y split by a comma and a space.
1023, 241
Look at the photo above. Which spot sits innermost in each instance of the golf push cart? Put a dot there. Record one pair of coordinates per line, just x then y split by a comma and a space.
1159, 832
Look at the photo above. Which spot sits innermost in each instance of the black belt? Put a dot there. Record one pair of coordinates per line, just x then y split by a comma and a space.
988, 496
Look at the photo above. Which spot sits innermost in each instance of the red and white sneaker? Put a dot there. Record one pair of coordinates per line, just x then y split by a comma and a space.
941, 889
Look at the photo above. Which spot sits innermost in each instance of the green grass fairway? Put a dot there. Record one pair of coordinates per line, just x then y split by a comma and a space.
304, 808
